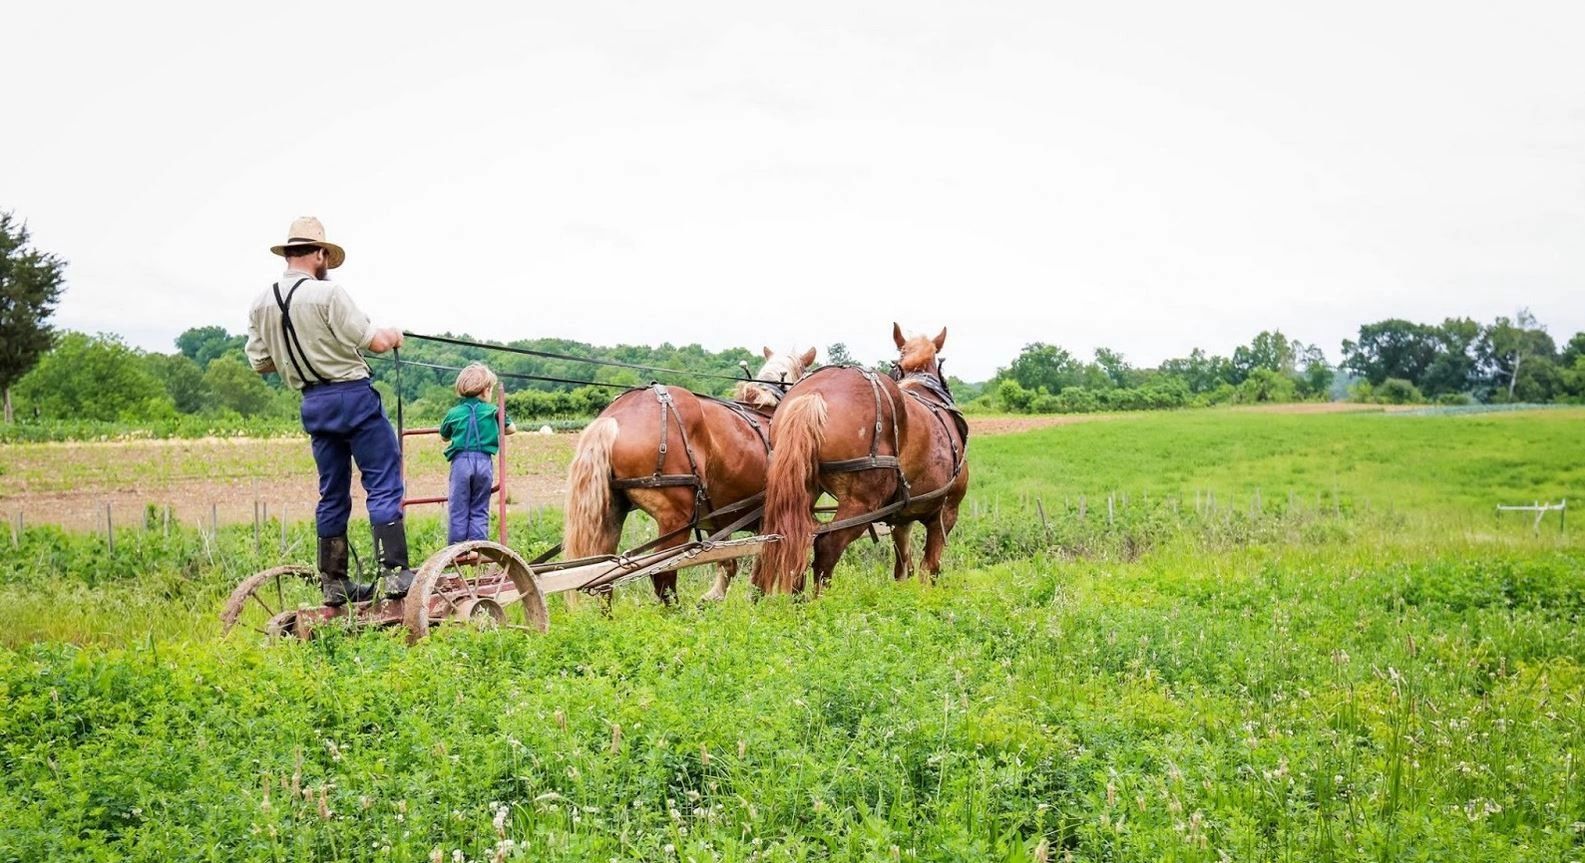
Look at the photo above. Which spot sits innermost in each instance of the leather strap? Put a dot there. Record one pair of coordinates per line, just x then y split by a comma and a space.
290, 332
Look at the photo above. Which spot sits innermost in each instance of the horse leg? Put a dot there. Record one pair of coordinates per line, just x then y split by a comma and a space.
828, 550
903, 564
852, 501
672, 510
666, 582
725, 572
935, 543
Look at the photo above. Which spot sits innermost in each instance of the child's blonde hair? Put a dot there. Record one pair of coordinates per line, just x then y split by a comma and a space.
475, 380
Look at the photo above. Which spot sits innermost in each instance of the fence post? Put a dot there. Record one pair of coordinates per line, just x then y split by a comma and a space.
110, 530
1040, 507
1109, 510
165, 522
283, 530
214, 521
256, 526
1259, 506
1083, 507
16, 530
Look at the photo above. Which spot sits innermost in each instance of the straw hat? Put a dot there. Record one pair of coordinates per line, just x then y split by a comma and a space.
307, 231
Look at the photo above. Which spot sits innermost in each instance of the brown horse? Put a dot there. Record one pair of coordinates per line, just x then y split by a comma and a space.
887, 450
677, 456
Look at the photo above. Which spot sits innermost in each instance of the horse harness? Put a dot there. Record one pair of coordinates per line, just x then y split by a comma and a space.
703, 509
875, 460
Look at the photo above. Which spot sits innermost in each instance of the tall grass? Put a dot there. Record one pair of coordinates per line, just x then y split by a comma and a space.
1387, 673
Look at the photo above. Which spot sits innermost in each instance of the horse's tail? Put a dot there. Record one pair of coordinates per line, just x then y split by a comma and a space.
792, 484
592, 523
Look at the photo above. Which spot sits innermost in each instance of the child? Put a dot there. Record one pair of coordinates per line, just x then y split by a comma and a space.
470, 428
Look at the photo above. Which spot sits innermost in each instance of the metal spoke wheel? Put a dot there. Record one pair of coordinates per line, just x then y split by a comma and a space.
474, 582
268, 602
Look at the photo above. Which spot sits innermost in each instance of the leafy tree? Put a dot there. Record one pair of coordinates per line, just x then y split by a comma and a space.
30, 286
183, 380
1453, 368
95, 378
837, 355
1117, 371
1201, 372
203, 345
1572, 351
237, 387
1397, 391
1269, 350
1392, 348
1012, 396
1042, 365
1266, 385
1505, 348
1572, 379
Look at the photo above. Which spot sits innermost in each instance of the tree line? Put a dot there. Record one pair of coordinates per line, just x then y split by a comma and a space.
1458, 361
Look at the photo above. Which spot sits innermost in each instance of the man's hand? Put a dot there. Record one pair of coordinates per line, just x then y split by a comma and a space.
385, 339
267, 367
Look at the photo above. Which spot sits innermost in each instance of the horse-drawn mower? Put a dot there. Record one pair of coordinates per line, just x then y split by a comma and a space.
478, 582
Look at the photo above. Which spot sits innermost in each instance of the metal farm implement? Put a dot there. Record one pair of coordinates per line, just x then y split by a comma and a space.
475, 582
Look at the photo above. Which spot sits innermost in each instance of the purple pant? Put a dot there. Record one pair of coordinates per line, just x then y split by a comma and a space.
471, 478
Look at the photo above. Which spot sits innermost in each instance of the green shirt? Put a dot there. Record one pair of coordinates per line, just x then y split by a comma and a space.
455, 428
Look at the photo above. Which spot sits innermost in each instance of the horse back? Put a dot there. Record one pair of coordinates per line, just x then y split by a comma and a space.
856, 404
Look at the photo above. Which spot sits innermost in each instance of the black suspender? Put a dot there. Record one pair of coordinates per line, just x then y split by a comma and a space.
291, 336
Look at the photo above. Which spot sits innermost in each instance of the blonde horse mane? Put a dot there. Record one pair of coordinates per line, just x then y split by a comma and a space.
781, 367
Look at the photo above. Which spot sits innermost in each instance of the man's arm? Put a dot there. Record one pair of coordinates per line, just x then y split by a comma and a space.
345, 317
384, 339
258, 355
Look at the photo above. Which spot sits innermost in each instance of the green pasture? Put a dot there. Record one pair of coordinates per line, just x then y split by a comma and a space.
1295, 638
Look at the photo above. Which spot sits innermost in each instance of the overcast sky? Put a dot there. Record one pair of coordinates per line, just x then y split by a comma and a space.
1146, 176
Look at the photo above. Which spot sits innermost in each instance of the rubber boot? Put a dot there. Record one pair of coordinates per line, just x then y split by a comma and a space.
390, 549
333, 578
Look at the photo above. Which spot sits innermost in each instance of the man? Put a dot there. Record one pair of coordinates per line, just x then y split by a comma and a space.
309, 331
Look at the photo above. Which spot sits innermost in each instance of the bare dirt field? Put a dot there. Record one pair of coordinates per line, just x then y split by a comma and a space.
69, 484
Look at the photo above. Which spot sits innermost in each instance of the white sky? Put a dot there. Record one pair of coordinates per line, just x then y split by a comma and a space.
1147, 176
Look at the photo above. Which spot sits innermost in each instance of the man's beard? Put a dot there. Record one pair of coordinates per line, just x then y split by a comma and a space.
322, 272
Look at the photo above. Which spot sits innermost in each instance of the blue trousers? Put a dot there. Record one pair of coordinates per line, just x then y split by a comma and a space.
347, 423
471, 478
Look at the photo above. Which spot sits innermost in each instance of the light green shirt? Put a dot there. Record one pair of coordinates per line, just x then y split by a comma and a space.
330, 328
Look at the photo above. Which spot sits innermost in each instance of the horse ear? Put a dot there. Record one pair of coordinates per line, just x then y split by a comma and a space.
897, 336
768, 352
941, 340
808, 359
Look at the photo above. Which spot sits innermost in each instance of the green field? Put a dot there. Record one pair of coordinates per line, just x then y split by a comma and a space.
1293, 638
